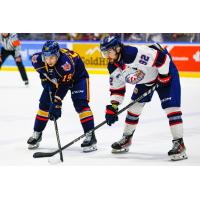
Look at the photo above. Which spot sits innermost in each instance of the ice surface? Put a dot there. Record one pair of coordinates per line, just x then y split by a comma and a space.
151, 142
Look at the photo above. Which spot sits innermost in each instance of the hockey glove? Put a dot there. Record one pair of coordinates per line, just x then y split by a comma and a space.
111, 114
55, 109
47, 85
164, 80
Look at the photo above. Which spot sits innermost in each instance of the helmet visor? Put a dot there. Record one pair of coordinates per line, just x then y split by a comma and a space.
105, 54
47, 54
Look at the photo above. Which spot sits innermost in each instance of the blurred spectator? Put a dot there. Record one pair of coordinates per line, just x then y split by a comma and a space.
129, 37
134, 37
179, 37
154, 37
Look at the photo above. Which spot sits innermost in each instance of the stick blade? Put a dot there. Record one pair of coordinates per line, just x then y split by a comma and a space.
42, 154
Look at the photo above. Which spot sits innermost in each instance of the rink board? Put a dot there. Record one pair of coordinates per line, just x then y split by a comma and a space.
185, 55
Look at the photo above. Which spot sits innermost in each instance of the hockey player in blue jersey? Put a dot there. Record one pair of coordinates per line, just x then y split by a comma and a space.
62, 70
143, 66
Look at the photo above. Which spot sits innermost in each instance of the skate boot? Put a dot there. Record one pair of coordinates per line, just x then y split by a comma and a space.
123, 144
178, 150
89, 144
34, 140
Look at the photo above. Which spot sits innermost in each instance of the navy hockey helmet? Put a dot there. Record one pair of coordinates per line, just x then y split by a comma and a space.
50, 48
110, 42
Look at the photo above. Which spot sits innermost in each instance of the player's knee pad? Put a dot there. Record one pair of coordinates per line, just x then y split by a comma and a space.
43, 106
174, 115
84, 110
79, 105
43, 113
136, 108
133, 113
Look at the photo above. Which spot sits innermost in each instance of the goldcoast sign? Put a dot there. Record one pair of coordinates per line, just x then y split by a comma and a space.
90, 54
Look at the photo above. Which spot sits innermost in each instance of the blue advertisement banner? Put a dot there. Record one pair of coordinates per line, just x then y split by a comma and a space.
28, 48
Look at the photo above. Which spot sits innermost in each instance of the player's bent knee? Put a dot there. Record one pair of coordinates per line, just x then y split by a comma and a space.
136, 108
43, 106
172, 109
174, 115
80, 105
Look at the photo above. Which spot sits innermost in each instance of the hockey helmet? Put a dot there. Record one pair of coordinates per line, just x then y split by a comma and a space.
110, 42
51, 48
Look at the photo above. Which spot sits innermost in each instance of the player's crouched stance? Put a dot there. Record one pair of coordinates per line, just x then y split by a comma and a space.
143, 66
62, 70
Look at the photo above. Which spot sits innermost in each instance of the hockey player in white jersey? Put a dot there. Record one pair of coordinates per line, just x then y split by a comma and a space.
143, 66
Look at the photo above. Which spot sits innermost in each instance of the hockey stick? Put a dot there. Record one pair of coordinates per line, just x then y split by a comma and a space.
49, 154
57, 133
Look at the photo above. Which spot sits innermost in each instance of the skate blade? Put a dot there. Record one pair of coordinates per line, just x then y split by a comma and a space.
120, 150
89, 149
181, 156
32, 147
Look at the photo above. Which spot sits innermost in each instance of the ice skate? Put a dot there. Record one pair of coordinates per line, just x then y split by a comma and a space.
122, 145
178, 150
89, 144
34, 140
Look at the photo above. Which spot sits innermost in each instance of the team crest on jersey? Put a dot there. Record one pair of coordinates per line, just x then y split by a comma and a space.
135, 77
66, 67
118, 76
34, 58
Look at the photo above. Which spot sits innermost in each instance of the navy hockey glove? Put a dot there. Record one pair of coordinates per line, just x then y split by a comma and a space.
111, 114
55, 109
47, 85
164, 80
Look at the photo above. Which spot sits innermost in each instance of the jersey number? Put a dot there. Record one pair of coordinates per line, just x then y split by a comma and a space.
144, 59
67, 78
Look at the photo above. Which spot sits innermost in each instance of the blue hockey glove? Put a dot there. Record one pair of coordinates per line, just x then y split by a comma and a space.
55, 109
47, 85
111, 114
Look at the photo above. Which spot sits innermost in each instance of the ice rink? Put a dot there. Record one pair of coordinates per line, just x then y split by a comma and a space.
151, 142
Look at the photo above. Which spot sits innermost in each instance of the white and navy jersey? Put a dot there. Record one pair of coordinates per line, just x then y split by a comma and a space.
11, 43
139, 64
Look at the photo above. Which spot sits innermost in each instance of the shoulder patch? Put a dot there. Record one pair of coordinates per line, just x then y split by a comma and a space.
34, 58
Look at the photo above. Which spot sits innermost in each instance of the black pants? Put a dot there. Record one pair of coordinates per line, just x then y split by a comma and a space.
21, 68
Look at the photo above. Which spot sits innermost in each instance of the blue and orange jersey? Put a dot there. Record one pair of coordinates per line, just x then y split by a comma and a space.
68, 70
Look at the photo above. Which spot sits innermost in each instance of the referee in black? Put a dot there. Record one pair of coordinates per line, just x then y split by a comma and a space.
11, 46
